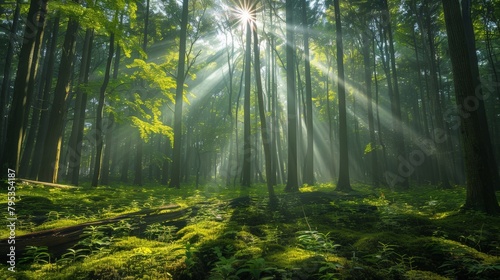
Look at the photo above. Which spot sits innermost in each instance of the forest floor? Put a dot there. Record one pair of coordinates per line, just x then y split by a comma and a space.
224, 233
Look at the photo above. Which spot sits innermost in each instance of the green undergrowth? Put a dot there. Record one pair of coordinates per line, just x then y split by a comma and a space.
239, 234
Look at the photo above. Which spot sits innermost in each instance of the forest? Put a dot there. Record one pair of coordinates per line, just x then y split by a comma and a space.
250, 139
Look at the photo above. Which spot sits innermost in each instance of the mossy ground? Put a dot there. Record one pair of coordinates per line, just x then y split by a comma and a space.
235, 234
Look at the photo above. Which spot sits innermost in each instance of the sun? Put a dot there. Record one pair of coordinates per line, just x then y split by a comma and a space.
244, 15
244, 12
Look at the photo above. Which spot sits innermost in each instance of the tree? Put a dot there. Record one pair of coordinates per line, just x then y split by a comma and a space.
4, 93
17, 115
100, 113
247, 146
53, 140
292, 184
480, 189
309, 160
344, 180
179, 93
266, 140
74, 156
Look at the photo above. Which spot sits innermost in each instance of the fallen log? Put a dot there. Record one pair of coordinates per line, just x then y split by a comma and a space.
58, 240
48, 184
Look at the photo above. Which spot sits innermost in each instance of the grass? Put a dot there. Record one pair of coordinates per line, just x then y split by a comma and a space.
234, 234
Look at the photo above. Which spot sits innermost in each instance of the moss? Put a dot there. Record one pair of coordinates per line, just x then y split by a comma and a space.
290, 257
201, 232
423, 275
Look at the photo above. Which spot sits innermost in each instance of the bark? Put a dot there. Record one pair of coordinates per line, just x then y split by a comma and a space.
176, 165
480, 189
485, 134
266, 140
292, 184
344, 180
45, 104
15, 127
247, 146
366, 39
398, 135
53, 140
309, 159
4, 94
436, 106
36, 99
76, 138
100, 113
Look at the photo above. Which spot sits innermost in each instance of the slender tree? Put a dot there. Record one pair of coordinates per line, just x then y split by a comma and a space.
176, 167
292, 184
266, 139
344, 180
247, 146
4, 93
100, 113
309, 159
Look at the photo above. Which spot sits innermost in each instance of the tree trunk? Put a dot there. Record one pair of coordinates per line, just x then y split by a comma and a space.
292, 184
436, 106
247, 146
138, 161
45, 104
266, 141
76, 137
483, 121
100, 113
15, 126
53, 140
176, 165
4, 94
480, 189
29, 142
366, 40
344, 180
309, 160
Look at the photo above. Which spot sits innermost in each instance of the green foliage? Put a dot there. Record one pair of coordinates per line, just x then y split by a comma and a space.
36, 255
316, 241
160, 232
255, 268
225, 268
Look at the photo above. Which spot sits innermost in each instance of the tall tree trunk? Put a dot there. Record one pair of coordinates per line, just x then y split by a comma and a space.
309, 160
398, 134
270, 179
344, 180
483, 121
53, 140
110, 139
177, 160
4, 94
45, 104
100, 113
480, 189
247, 146
76, 138
35, 98
436, 106
366, 41
292, 184
15, 128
